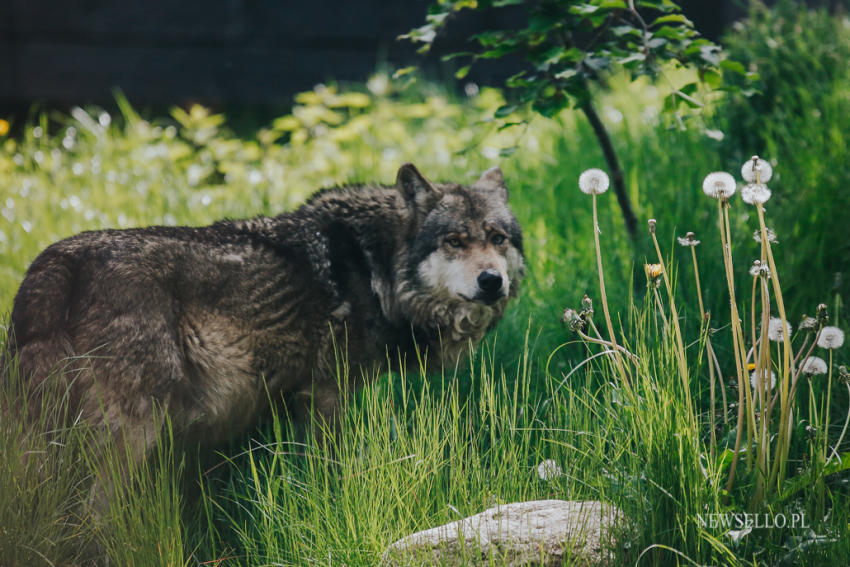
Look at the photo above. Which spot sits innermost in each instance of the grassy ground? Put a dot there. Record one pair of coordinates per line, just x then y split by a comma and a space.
417, 451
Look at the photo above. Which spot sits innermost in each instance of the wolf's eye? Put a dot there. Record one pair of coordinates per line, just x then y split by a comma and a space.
497, 239
455, 242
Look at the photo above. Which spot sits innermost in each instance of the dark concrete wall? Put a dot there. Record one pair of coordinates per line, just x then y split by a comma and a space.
168, 50
215, 51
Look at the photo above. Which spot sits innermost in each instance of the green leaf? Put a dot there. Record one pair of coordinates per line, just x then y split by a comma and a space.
672, 19
612, 4
459, 5
450, 56
543, 22
670, 33
566, 74
712, 78
507, 152
518, 80
636, 56
620, 31
656, 42
505, 110
462, 72
403, 71
507, 125
489, 38
733, 66
583, 9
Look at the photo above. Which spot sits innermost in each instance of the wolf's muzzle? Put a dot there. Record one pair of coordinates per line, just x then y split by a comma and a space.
490, 286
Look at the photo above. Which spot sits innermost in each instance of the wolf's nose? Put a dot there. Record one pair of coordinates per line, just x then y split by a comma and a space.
490, 281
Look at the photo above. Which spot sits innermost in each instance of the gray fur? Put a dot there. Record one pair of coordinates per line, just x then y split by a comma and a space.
206, 322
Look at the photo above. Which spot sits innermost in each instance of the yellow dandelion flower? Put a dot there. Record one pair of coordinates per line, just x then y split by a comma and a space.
654, 271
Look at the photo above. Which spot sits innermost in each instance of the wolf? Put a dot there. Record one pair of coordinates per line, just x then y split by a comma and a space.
209, 324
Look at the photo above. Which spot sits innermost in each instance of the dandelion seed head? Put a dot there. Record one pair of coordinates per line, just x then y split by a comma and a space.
687, 240
756, 165
774, 329
756, 382
753, 193
831, 338
808, 324
771, 235
569, 315
549, 469
719, 185
759, 269
593, 181
586, 305
814, 365
573, 319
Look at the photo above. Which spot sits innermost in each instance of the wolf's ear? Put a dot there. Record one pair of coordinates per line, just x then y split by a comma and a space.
415, 189
492, 180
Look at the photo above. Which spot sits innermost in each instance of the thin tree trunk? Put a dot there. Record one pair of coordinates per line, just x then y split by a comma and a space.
617, 177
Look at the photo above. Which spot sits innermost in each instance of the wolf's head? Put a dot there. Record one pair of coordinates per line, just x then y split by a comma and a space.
463, 257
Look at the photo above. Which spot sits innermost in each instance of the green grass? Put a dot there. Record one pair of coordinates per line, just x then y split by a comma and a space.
415, 451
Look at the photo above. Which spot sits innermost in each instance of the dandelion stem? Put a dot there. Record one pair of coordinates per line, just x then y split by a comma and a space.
617, 360
826, 411
696, 278
720, 380
798, 372
762, 369
677, 331
660, 308
737, 342
603, 342
777, 473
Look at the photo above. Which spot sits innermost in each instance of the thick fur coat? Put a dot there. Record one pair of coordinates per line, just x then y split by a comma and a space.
210, 323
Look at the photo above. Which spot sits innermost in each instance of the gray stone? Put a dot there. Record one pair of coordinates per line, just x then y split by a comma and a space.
540, 533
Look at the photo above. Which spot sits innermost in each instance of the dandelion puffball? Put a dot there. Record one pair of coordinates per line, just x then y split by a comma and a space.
719, 185
755, 166
593, 182
753, 193
808, 324
549, 469
759, 269
774, 329
814, 365
757, 384
688, 240
831, 338
771, 235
